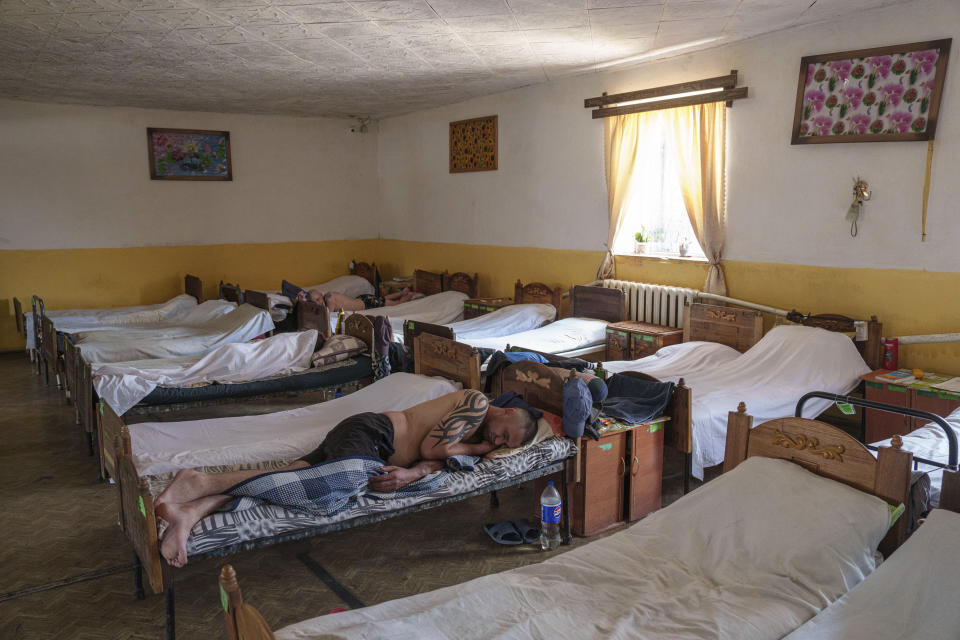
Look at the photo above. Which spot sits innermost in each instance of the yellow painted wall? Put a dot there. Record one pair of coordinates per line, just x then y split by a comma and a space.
907, 302
85, 278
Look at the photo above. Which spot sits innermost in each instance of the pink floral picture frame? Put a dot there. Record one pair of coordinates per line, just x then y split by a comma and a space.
871, 95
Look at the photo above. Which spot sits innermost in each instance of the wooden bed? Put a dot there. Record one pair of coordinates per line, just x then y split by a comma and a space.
109, 425
230, 292
47, 339
531, 293
808, 443
139, 520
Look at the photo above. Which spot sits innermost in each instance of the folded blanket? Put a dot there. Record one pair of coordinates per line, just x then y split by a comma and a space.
324, 489
635, 401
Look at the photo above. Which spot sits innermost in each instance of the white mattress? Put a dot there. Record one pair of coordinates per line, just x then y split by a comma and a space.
676, 361
770, 378
353, 286
749, 556
502, 322
173, 340
930, 442
440, 308
568, 334
124, 384
912, 595
66, 319
159, 447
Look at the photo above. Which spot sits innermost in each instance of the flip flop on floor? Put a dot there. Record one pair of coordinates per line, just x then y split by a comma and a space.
529, 532
503, 533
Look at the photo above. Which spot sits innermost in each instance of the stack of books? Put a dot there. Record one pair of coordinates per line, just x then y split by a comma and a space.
896, 377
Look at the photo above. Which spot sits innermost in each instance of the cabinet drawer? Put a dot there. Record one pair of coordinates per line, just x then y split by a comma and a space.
618, 345
881, 425
642, 345
601, 491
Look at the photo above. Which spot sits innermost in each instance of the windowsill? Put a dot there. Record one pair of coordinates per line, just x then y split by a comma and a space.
667, 257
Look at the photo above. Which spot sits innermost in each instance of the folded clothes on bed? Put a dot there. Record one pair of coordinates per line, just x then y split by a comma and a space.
324, 489
634, 400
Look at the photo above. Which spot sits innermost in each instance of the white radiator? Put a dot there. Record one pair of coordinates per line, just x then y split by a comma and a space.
654, 303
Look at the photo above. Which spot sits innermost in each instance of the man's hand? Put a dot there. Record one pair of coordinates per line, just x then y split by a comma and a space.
393, 479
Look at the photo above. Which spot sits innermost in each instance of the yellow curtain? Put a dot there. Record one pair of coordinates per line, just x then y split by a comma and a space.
621, 137
699, 146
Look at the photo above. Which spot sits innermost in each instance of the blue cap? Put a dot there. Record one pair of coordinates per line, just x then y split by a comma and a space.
577, 402
598, 389
550, 483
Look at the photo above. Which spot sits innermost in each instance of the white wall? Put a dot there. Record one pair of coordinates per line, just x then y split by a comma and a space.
77, 177
785, 203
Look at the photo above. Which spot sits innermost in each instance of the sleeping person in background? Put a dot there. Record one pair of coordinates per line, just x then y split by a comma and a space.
339, 302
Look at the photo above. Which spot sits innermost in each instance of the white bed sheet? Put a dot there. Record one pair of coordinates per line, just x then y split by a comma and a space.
511, 319
124, 384
353, 286
440, 308
930, 442
173, 340
770, 378
676, 361
751, 555
912, 595
567, 334
66, 319
159, 447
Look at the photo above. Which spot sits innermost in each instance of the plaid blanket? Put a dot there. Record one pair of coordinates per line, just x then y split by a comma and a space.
324, 489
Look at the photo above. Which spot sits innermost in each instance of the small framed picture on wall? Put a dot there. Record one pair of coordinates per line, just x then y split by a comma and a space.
189, 154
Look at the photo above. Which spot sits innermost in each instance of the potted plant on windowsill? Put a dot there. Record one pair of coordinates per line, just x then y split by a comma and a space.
684, 249
641, 241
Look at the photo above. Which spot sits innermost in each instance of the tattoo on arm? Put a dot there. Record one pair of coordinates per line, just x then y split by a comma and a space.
468, 413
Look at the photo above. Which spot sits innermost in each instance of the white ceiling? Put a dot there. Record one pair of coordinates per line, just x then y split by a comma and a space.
352, 57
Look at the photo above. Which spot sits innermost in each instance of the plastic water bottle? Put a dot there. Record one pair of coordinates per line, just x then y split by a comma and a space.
550, 510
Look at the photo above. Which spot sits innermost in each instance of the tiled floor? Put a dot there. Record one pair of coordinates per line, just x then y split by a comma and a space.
67, 569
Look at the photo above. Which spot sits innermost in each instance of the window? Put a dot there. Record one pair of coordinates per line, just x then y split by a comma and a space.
656, 202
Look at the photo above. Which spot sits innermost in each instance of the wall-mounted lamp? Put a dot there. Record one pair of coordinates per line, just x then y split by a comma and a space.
860, 195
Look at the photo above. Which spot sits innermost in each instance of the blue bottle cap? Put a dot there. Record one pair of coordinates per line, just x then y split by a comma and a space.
550, 483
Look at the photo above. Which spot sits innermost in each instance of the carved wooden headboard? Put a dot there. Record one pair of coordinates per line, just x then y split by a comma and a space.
436, 356
427, 282
258, 299
826, 451
413, 328
231, 292
537, 293
359, 326
539, 385
311, 315
462, 282
365, 270
737, 328
598, 302
194, 287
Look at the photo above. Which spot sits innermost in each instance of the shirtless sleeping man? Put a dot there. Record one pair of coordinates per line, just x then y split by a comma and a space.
413, 443
341, 302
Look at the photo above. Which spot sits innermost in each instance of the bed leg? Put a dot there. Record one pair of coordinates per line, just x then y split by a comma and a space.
137, 577
89, 443
565, 499
494, 500
46, 373
171, 608
687, 472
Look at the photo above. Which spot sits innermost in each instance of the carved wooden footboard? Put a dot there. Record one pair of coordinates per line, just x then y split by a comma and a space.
137, 516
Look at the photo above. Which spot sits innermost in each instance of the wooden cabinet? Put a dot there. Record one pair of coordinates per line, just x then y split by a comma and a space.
473, 307
620, 479
881, 425
630, 340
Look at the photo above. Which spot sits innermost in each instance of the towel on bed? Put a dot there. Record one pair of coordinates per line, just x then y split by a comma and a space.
636, 401
324, 489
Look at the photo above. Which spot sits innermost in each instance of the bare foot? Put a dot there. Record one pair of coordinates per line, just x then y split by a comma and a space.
181, 519
187, 485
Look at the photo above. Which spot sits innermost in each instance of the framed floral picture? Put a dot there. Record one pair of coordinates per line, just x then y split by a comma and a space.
189, 154
871, 95
473, 145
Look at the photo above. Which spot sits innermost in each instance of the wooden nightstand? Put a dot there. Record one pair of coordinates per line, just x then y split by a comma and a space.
881, 425
473, 307
619, 479
630, 340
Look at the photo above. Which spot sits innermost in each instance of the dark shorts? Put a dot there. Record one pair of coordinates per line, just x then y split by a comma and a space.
365, 434
371, 301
